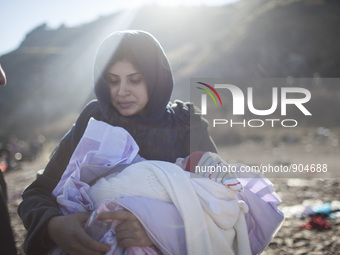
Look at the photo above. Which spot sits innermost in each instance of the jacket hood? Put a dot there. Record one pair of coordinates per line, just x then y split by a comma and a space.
151, 60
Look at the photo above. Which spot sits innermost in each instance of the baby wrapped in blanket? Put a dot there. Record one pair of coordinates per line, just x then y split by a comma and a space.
181, 215
263, 218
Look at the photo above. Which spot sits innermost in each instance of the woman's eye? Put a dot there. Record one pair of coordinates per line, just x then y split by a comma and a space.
136, 81
112, 81
113, 84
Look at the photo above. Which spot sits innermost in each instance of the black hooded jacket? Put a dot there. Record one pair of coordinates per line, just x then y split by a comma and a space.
163, 133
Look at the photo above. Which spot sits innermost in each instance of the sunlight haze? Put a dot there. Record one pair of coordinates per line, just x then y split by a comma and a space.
18, 17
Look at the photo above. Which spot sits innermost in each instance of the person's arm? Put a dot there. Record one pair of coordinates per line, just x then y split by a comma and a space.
7, 244
46, 227
205, 142
200, 137
67, 233
38, 207
194, 127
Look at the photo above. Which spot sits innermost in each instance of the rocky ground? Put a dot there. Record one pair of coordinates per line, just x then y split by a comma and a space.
290, 239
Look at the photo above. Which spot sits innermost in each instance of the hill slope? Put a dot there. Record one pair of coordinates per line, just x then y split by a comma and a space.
50, 74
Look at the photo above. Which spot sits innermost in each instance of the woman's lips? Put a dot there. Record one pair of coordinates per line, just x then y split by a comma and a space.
125, 104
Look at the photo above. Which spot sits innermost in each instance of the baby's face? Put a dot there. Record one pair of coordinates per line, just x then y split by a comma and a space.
182, 162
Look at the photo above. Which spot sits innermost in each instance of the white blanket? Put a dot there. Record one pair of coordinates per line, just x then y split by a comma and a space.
213, 217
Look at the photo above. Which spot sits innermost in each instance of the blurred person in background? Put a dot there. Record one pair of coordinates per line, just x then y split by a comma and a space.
7, 244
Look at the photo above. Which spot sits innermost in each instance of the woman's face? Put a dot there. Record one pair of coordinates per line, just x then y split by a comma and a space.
128, 90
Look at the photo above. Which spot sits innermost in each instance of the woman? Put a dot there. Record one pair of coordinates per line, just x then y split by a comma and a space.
133, 85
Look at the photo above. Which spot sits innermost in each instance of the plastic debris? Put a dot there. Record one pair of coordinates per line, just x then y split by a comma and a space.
311, 207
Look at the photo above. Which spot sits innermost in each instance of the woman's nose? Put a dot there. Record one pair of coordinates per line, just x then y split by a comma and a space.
122, 89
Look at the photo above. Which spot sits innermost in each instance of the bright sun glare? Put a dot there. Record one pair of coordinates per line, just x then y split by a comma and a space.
138, 3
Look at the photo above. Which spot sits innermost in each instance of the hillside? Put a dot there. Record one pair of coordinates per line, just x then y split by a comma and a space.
50, 74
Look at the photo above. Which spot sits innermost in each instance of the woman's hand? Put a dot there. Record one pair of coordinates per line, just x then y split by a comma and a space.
68, 233
130, 231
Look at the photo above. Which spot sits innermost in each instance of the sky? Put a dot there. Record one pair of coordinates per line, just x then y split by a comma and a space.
18, 17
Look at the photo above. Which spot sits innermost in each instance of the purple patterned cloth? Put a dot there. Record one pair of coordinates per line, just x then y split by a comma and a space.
264, 218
